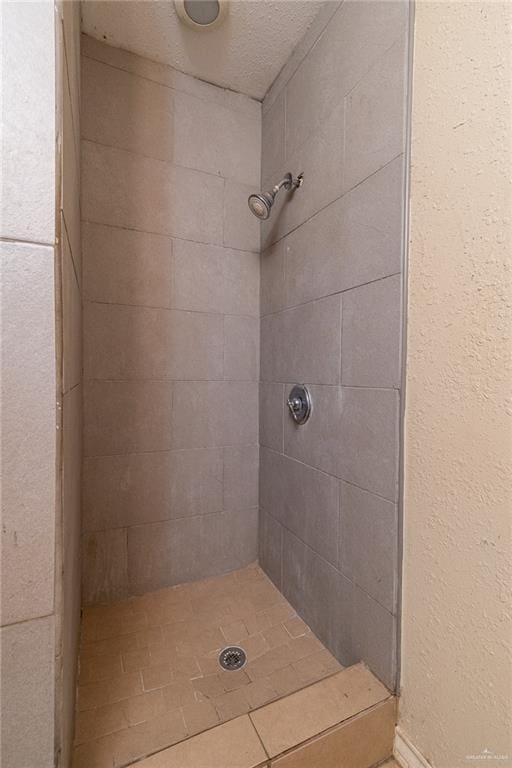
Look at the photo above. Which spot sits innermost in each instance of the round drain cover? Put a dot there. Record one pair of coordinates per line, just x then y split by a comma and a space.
232, 657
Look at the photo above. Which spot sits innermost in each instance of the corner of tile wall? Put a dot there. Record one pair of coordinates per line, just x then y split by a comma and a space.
171, 268
331, 317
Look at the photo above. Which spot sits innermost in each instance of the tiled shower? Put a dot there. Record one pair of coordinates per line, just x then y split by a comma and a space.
253, 269
197, 322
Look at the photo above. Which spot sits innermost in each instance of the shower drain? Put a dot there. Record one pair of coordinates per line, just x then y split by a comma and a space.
232, 657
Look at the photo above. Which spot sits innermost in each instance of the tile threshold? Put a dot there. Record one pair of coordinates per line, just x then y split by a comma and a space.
138, 761
271, 756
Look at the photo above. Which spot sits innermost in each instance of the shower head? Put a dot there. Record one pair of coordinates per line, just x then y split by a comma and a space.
261, 203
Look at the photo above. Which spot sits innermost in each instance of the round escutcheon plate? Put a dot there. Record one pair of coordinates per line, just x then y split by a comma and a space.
299, 403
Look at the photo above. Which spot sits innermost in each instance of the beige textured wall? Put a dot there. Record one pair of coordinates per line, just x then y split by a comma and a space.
171, 328
41, 371
456, 698
28, 384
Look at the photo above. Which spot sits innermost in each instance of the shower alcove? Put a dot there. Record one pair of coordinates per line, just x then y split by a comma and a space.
209, 518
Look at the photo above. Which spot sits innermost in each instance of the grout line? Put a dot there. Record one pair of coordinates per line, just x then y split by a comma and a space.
170, 450
332, 386
165, 161
341, 724
68, 240
171, 381
335, 200
212, 313
174, 88
328, 474
330, 295
74, 117
167, 236
65, 392
257, 732
126, 526
335, 567
328, 386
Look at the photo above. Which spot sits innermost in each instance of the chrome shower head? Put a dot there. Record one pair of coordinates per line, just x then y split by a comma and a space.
261, 203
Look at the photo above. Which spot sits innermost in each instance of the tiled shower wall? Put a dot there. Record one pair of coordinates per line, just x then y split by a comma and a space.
68, 563
171, 325
331, 318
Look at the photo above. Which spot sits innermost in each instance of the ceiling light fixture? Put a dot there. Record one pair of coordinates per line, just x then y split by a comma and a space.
201, 14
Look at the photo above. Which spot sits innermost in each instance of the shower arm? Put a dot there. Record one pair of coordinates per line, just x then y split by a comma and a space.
288, 182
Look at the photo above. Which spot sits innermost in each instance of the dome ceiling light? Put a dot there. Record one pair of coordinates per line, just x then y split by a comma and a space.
201, 14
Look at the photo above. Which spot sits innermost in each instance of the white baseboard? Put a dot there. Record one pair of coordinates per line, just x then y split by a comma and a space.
406, 754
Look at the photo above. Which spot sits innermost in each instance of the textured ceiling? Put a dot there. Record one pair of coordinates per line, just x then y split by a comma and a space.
245, 53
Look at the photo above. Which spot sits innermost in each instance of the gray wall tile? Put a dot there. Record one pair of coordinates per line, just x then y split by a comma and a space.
353, 241
373, 632
122, 266
369, 543
104, 566
209, 278
172, 264
357, 35
71, 320
241, 466
126, 417
71, 529
303, 343
197, 414
241, 228
217, 139
162, 554
321, 595
318, 441
139, 192
272, 288
197, 277
70, 180
207, 413
137, 488
338, 239
273, 138
240, 415
124, 342
272, 405
303, 500
241, 348
126, 112
270, 550
370, 346
320, 158
241, 282
369, 444
301, 50
375, 117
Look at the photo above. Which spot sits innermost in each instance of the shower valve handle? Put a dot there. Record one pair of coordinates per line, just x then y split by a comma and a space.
294, 404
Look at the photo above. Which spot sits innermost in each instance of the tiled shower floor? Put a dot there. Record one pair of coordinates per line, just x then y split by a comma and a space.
149, 672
